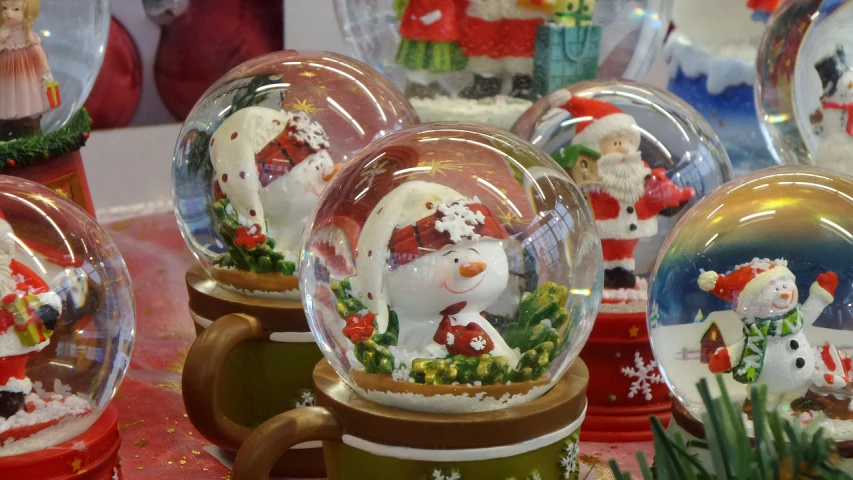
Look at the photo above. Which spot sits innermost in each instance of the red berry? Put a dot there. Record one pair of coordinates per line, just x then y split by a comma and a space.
85, 135
12, 163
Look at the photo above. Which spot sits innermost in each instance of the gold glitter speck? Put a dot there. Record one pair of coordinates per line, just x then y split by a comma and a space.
170, 430
141, 442
196, 452
182, 462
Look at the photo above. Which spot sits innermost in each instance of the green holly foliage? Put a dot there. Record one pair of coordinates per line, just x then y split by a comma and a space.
27, 151
261, 259
372, 353
486, 369
779, 449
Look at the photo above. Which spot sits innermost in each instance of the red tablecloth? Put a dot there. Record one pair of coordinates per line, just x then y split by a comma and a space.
157, 439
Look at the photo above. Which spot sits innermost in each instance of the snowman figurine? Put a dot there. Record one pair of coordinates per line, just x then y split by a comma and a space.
257, 143
775, 351
835, 121
436, 259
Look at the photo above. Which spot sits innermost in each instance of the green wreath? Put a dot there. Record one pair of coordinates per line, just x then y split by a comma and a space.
27, 151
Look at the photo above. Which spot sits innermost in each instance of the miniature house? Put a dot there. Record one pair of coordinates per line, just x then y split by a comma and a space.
711, 341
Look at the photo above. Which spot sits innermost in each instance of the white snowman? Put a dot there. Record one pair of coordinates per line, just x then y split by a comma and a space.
437, 259
279, 209
775, 351
835, 151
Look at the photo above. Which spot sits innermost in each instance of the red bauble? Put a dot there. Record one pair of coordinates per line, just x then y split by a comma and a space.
117, 90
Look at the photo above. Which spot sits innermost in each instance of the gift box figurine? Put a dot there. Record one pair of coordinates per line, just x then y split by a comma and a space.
451, 276
64, 289
46, 44
623, 144
252, 159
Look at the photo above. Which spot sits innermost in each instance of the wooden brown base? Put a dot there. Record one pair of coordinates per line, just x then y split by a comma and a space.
255, 282
384, 383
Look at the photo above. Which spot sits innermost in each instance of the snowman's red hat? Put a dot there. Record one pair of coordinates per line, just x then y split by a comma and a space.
746, 281
596, 119
427, 235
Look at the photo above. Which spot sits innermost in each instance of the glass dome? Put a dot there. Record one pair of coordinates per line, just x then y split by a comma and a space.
257, 150
603, 133
756, 281
451, 268
484, 60
66, 318
38, 97
804, 83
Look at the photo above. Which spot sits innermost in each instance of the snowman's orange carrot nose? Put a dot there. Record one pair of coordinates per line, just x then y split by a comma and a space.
471, 270
335, 170
785, 295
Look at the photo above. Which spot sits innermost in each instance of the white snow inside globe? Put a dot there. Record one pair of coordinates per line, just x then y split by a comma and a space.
451, 268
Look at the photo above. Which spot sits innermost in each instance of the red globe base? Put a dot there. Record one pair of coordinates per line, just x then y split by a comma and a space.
625, 386
90, 456
64, 175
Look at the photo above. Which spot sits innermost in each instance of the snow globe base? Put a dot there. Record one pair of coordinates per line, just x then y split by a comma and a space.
625, 387
91, 455
53, 160
252, 361
366, 440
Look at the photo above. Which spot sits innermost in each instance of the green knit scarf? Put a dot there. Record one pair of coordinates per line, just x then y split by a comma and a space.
755, 342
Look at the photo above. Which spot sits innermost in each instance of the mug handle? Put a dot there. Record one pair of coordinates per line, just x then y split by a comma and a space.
201, 377
273, 438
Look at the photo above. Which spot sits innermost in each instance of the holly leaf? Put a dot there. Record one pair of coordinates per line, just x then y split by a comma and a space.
540, 315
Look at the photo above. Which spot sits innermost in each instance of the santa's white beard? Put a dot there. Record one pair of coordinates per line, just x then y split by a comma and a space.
624, 181
7, 284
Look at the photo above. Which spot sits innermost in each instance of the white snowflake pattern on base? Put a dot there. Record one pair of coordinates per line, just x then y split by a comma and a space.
441, 474
306, 399
569, 459
644, 375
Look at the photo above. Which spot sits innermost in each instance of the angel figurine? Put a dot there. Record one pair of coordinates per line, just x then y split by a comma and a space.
27, 86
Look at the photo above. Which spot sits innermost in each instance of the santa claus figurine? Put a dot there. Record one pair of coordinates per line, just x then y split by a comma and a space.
499, 39
629, 195
28, 314
775, 351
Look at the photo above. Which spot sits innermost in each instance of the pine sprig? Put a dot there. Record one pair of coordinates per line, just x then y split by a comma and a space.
780, 449
27, 151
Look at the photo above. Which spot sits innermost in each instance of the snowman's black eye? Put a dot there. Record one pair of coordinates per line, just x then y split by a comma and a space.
455, 260
318, 168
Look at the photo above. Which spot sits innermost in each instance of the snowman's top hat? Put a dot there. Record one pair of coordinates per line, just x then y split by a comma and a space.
830, 69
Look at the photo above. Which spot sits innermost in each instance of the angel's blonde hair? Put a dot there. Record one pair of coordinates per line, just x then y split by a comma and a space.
31, 11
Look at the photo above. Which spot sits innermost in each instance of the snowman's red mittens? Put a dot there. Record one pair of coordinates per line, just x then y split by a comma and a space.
828, 281
720, 361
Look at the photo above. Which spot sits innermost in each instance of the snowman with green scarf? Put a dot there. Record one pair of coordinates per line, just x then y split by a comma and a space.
775, 351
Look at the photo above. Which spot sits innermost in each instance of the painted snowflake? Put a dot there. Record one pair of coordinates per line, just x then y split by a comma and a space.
306, 399
441, 474
644, 375
569, 459
459, 220
368, 175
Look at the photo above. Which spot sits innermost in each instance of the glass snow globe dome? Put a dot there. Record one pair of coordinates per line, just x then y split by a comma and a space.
756, 283
485, 60
804, 83
66, 318
257, 150
603, 133
451, 268
50, 55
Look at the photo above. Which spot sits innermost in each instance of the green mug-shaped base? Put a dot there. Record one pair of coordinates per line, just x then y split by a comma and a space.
558, 461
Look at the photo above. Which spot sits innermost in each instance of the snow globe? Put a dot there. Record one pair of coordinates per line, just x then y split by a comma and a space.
485, 61
711, 57
250, 163
451, 275
803, 83
50, 55
642, 157
754, 283
66, 334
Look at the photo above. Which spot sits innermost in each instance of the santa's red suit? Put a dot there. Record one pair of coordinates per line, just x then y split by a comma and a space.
499, 36
768, 6
620, 222
430, 21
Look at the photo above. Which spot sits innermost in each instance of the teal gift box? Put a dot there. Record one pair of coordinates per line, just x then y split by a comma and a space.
564, 55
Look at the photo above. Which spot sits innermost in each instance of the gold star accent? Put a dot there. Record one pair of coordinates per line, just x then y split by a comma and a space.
76, 465
307, 74
303, 106
505, 217
633, 331
441, 167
